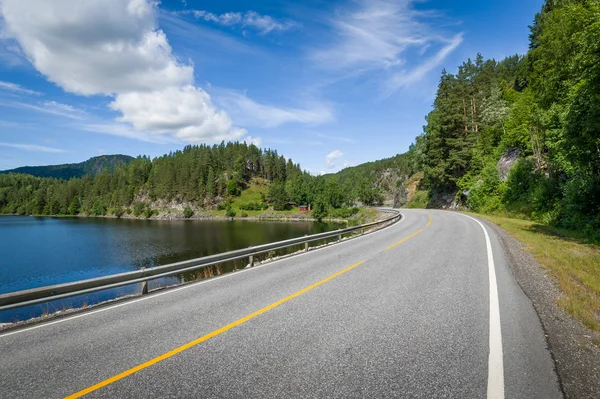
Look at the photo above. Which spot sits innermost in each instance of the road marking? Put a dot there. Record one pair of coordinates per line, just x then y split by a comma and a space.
206, 337
410, 236
184, 287
405, 239
495, 388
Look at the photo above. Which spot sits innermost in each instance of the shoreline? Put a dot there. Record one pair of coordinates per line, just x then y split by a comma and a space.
267, 216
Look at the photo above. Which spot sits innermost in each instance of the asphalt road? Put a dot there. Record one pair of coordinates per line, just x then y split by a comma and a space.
412, 321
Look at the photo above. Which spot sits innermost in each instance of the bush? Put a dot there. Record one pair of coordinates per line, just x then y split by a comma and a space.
230, 212
344, 212
188, 212
149, 212
244, 214
139, 208
520, 182
118, 212
221, 206
253, 206
98, 209
419, 200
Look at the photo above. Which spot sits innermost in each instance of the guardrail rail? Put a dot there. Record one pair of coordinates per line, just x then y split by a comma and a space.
39, 295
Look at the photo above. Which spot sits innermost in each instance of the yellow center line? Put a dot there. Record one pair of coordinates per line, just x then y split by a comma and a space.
405, 239
412, 235
205, 337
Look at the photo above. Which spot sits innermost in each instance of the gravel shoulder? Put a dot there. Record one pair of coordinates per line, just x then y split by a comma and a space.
577, 359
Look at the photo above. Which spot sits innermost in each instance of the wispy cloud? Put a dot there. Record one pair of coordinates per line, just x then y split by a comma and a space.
331, 157
248, 112
402, 79
126, 131
13, 87
32, 147
250, 19
388, 36
336, 138
50, 107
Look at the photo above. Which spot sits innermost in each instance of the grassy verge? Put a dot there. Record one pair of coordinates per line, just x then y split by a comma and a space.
567, 256
364, 216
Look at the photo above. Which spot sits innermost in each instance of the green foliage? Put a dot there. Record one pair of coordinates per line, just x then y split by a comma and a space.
139, 208
343, 213
230, 212
149, 212
253, 206
546, 104
419, 200
319, 210
244, 214
118, 212
278, 196
188, 212
233, 187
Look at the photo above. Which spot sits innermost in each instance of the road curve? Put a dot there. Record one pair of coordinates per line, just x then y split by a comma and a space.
403, 312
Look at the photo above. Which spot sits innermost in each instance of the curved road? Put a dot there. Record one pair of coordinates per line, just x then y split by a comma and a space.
408, 311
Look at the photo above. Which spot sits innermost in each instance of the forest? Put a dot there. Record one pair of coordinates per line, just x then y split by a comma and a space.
202, 177
542, 108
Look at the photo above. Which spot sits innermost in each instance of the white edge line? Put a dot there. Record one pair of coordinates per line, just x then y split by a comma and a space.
186, 286
495, 387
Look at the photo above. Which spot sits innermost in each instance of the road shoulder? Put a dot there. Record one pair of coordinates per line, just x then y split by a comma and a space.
576, 358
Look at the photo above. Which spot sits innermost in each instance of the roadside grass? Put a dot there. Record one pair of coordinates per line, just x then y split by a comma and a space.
364, 216
254, 193
419, 200
571, 259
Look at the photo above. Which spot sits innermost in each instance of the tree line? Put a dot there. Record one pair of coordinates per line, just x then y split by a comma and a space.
544, 106
201, 176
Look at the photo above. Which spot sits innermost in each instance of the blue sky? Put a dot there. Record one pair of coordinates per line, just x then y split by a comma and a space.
326, 83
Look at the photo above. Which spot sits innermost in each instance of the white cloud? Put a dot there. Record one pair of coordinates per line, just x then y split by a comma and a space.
263, 23
251, 113
187, 113
31, 147
9, 86
253, 140
331, 157
114, 48
382, 35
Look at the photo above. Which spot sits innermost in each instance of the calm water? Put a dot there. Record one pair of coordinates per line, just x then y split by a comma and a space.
36, 252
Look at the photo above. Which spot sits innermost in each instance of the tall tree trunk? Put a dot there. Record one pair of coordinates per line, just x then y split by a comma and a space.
465, 116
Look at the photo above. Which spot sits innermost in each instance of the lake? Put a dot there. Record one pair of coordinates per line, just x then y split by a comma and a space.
40, 251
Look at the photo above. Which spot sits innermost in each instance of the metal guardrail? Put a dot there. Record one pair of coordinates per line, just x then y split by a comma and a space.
36, 296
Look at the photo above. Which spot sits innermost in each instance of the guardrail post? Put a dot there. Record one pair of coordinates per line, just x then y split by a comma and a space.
144, 284
339, 237
306, 244
251, 260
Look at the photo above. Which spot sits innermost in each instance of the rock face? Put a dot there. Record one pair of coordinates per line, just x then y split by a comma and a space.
508, 159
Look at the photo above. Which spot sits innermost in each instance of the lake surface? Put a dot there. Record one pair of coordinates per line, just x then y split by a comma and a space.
40, 251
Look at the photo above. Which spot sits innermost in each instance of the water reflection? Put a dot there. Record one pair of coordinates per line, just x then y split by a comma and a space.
36, 252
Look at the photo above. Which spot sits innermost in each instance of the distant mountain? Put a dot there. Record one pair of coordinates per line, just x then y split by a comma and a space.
93, 166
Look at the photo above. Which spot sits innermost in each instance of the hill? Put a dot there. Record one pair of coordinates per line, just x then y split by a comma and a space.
92, 166
382, 181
